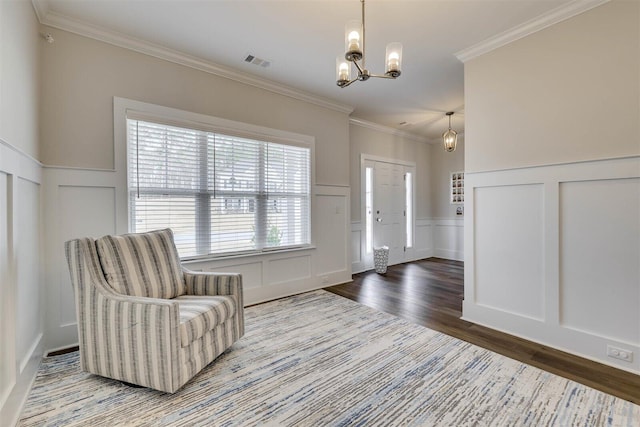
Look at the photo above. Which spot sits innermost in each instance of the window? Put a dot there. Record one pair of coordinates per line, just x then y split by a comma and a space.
369, 209
219, 193
408, 209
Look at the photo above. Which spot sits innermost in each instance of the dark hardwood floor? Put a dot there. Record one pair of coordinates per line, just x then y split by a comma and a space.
430, 293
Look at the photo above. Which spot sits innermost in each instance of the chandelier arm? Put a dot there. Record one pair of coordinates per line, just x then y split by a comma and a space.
360, 69
349, 82
381, 76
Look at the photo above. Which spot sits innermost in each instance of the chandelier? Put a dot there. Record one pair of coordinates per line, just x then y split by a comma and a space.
355, 54
450, 137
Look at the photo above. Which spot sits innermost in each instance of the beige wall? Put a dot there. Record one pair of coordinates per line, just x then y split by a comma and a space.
442, 164
567, 93
365, 140
83, 75
19, 68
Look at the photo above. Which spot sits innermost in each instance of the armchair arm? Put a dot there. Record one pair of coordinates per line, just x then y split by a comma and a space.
134, 339
199, 283
229, 284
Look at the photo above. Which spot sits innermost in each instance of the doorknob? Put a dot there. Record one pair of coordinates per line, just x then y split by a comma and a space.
379, 219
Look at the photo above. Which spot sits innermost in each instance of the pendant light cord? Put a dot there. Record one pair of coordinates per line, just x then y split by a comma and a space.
363, 38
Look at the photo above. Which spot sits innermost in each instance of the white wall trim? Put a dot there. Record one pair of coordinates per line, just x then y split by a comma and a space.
12, 407
56, 20
534, 25
34, 351
20, 153
558, 287
386, 129
18, 166
448, 238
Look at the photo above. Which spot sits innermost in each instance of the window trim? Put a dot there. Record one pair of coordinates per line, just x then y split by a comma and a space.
124, 109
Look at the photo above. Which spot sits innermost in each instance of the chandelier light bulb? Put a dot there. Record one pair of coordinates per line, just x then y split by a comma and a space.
353, 30
343, 71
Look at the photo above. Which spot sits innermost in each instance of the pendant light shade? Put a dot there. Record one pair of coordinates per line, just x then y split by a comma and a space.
450, 137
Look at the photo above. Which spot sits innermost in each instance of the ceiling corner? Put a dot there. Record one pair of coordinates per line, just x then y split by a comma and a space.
41, 7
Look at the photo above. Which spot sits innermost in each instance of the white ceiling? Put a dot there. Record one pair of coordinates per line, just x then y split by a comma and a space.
303, 38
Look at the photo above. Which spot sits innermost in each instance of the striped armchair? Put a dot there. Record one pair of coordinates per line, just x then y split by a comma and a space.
142, 318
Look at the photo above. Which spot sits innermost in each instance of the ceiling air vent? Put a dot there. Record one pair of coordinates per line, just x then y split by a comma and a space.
251, 59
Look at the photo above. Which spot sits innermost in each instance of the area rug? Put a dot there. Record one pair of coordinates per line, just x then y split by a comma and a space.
318, 359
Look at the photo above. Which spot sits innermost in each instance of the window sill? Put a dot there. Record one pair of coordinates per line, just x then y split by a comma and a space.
206, 258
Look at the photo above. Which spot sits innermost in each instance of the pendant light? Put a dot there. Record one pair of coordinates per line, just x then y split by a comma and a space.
450, 137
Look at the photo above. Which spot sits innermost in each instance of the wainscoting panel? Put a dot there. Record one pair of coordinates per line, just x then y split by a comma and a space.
508, 217
424, 245
88, 212
251, 273
331, 216
356, 246
289, 269
27, 247
77, 203
21, 278
448, 238
7, 322
599, 247
552, 255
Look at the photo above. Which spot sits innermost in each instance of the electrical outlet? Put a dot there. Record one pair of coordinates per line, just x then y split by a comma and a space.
325, 279
620, 353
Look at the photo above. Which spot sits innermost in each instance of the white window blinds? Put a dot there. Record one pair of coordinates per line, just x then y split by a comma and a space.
219, 193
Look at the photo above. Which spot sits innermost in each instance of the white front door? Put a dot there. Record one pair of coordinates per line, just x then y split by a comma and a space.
388, 209
387, 199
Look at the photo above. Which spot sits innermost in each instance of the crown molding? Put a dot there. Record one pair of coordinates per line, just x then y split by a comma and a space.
61, 22
386, 129
543, 21
41, 8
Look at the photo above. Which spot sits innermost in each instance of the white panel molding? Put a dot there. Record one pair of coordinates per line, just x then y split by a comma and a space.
288, 269
532, 26
423, 246
363, 262
56, 20
448, 238
17, 166
550, 330
606, 212
60, 186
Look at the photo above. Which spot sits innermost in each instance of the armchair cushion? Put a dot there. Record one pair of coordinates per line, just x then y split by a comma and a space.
142, 264
200, 314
